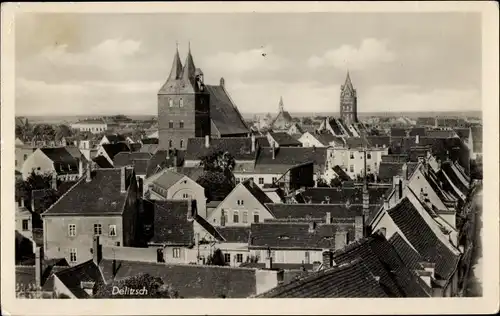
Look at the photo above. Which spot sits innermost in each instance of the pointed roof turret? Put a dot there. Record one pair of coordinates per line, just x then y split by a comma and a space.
189, 70
176, 71
348, 84
281, 107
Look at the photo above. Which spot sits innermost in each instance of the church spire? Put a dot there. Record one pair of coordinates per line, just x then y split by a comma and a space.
281, 107
189, 70
348, 83
175, 72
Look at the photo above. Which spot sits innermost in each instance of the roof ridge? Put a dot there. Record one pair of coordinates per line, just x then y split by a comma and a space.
182, 265
64, 195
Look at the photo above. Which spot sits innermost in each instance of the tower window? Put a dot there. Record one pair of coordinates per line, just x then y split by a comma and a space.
181, 102
171, 124
181, 124
170, 102
182, 143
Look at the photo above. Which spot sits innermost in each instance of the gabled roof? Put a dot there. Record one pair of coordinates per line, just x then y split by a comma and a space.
341, 173
420, 131
100, 196
115, 138
424, 240
284, 139
149, 148
408, 255
102, 162
387, 170
127, 158
451, 171
224, 114
239, 147
85, 272
171, 225
146, 141
159, 161
256, 192
356, 142
190, 281
287, 157
192, 173
343, 281
302, 211
234, 234
433, 133
74, 152
168, 179
337, 129
383, 261
379, 141
64, 162
341, 195
398, 132
296, 235
113, 149
326, 139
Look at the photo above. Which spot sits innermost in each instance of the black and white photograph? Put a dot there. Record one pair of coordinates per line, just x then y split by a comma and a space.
248, 155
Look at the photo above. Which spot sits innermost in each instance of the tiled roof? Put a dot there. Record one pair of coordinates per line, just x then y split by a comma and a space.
335, 127
237, 234
356, 142
341, 173
223, 112
64, 162
295, 210
327, 138
387, 170
399, 158
115, 138
135, 147
85, 272
99, 196
439, 133
147, 141
140, 166
239, 147
149, 148
190, 281
168, 179
423, 238
171, 225
159, 161
284, 139
288, 235
74, 151
282, 115
256, 192
341, 195
383, 261
343, 281
113, 149
398, 132
408, 255
192, 173
102, 162
127, 158
209, 228
450, 171
379, 141
346, 129
287, 157
420, 131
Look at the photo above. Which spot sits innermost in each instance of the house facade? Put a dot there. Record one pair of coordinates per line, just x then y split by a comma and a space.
95, 126
50, 160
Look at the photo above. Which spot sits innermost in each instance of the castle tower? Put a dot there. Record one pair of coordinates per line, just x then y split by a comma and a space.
183, 105
348, 102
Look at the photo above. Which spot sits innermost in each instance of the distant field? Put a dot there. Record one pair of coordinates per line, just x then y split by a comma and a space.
70, 119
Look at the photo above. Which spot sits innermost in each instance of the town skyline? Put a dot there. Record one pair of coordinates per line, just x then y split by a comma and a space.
119, 68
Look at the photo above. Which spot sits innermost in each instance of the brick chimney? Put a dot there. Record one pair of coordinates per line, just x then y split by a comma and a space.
123, 173
328, 259
316, 265
253, 143
96, 250
207, 141
38, 266
340, 239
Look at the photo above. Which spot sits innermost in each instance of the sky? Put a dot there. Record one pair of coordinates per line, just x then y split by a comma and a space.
98, 64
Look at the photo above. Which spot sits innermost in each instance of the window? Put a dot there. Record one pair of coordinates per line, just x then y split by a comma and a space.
25, 156
185, 195
72, 230
236, 217
97, 229
256, 217
227, 257
171, 124
181, 103
308, 258
239, 257
181, 143
72, 255
170, 102
112, 230
176, 252
245, 217
240, 202
170, 143
261, 180
351, 155
274, 179
351, 168
181, 124
25, 224
368, 168
368, 156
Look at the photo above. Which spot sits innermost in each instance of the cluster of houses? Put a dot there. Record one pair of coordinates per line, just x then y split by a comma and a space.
124, 208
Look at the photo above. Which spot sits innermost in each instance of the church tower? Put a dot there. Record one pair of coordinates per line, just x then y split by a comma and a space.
348, 102
183, 105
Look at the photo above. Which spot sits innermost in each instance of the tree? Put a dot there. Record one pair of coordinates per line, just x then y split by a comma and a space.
63, 131
216, 259
321, 183
144, 286
44, 132
335, 183
33, 182
307, 121
217, 178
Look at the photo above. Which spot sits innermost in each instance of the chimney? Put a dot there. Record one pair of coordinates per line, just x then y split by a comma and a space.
425, 276
21, 202
54, 180
273, 150
113, 268
189, 210
328, 217
207, 141
269, 260
80, 167
89, 172
33, 201
405, 171
168, 154
312, 227
316, 265
386, 204
96, 250
250, 182
222, 82
222, 218
140, 187
123, 172
328, 259
253, 142
38, 267
340, 239
358, 227
417, 139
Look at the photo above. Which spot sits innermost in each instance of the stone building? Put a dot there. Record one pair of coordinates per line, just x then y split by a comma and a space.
348, 102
